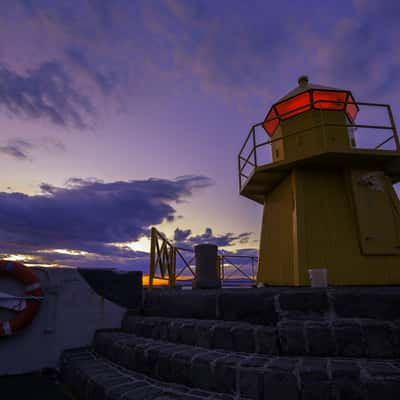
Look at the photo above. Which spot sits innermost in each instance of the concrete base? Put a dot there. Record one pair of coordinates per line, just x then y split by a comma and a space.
68, 318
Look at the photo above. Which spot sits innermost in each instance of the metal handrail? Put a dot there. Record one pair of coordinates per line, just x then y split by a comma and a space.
255, 146
160, 256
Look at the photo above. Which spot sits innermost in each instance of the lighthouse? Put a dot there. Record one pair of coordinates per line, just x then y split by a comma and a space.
326, 189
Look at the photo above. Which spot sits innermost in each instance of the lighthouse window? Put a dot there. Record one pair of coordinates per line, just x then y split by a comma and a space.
294, 106
351, 109
271, 122
324, 100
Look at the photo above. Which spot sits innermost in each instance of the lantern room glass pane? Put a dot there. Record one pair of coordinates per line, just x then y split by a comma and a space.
326, 100
351, 109
294, 106
271, 122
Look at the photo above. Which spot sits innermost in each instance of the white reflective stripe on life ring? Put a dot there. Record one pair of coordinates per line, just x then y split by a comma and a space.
32, 286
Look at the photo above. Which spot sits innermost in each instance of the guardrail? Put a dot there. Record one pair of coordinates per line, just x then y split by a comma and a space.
251, 157
164, 256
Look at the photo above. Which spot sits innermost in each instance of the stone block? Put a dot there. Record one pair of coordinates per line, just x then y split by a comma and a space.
381, 369
243, 338
188, 333
291, 337
348, 390
201, 375
182, 304
279, 385
225, 373
222, 336
151, 359
222, 396
345, 370
378, 303
163, 365
163, 329
97, 388
251, 383
349, 339
317, 391
266, 340
379, 339
310, 303
248, 306
379, 389
146, 392
204, 333
145, 328
174, 331
117, 392
285, 364
320, 338
199, 393
180, 365
140, 357
313, 370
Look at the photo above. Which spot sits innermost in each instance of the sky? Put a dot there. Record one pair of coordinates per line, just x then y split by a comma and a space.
120, 115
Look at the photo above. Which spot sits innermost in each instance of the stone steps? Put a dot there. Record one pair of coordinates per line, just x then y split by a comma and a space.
253, 376
362, 337
267, 306
93, 377
337, 343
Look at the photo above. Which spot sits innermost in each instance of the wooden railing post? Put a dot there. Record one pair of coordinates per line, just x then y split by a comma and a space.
152, 256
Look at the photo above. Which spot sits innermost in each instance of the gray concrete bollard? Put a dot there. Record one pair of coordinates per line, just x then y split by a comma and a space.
206, 274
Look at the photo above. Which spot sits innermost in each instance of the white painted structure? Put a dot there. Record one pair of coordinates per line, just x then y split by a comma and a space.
69, 315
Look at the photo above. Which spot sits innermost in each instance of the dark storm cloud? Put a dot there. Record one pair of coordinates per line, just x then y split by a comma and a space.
87, 215
184, 238
46, 91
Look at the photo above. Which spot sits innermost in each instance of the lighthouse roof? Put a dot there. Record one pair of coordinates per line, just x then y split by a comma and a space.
303, 86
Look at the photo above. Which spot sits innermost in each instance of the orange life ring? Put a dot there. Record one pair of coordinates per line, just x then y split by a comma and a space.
26, 276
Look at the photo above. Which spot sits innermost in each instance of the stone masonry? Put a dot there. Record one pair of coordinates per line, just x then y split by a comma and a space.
339, 343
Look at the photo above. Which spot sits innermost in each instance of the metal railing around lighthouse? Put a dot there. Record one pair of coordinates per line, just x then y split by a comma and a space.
164, 256
250, 157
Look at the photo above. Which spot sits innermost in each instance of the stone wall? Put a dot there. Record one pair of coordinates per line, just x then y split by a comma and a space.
267, 306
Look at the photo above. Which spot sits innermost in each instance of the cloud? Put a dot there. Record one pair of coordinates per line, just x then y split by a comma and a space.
21, 149
44, 92
184, 238
359, 52
88, 215
17, 148
106, 81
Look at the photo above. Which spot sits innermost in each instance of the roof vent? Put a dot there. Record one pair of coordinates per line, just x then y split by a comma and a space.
303, 80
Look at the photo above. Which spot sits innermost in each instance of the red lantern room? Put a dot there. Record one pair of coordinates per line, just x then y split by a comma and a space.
308, 97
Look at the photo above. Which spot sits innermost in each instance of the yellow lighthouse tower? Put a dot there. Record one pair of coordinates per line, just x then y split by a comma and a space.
326, 186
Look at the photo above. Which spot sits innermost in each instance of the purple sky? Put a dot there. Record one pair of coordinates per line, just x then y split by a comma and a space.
121, 115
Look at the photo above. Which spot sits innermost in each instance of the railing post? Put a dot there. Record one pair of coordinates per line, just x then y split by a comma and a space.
173, 266
396, 138
240, 173
254, 147
152, 256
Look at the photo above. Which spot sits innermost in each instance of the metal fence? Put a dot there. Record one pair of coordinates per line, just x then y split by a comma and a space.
251, 157
165, 258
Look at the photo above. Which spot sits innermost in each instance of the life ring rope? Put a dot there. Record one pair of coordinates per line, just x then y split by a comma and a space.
32, 289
